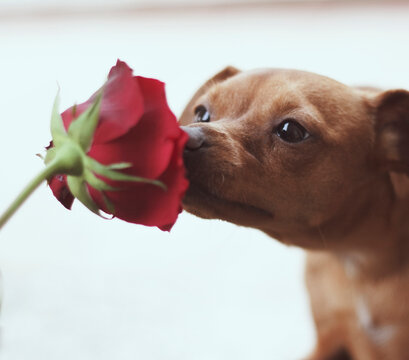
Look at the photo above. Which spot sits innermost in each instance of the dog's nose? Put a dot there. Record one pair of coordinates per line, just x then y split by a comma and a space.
196, 137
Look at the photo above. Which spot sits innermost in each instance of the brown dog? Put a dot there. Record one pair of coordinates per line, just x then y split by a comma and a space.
317, 164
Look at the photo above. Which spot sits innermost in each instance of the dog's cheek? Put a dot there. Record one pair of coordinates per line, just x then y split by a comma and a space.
300, 182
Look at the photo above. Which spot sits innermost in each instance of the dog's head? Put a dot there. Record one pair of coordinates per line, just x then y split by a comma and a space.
290, 152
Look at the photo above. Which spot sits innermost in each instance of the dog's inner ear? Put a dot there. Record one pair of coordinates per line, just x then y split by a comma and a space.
392, 130
187, 115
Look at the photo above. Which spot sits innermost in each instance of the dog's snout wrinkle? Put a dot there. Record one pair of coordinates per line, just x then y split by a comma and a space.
196, 137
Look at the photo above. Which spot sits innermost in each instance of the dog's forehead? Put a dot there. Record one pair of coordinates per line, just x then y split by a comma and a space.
272, 81
284, 87
282, 92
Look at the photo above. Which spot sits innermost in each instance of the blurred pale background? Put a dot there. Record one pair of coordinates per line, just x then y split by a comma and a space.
78, 287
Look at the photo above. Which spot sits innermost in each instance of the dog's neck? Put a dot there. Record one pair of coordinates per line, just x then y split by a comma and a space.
377, 245
383, 240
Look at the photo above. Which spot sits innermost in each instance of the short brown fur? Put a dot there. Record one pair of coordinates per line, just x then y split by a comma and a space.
342, 194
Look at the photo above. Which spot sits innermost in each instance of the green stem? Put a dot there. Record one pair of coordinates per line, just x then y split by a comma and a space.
50, 170
67, 159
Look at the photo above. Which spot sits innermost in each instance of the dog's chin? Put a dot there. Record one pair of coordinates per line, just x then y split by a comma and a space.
205, 204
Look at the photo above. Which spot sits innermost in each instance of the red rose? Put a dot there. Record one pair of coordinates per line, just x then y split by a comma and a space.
136, 126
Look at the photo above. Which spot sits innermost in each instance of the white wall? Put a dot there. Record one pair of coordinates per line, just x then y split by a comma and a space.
33, 6
79, 287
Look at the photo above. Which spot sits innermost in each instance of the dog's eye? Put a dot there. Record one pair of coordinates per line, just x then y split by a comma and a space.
291, 131
202, 114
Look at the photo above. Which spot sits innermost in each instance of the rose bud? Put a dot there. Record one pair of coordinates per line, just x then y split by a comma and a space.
130, 146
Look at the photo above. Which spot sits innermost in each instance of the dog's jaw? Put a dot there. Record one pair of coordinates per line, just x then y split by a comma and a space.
203, 203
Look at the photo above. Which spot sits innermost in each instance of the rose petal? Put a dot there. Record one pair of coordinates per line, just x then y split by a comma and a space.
148, 146
148, 204
59, 187
154, 95
121, 106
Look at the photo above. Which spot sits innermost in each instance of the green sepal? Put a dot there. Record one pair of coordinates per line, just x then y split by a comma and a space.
96, 183
58, 132
49, 155
69, 158
82, 129
119, 166
79, 190
105, 171
109, 205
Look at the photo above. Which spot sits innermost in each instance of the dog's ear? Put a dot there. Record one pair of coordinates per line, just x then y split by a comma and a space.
187, 115
392, 130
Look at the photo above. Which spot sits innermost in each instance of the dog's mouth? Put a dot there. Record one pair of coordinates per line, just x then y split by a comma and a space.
206, 204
